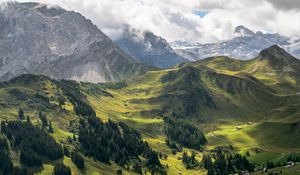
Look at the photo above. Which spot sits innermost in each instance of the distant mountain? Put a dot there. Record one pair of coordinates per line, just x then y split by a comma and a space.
149, 49
36, 38
246, 44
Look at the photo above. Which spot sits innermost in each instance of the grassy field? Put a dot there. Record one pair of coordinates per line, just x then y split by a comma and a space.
283, 170
231, 109
262, 144
252, 137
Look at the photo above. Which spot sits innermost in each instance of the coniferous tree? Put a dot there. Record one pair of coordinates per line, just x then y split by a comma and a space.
61, 169
66, 151
137, 168
226, 163
32, 142
183, 133
50, 128
43, 119
185, 157
21, 114
110, 141
30, 159
6, 165
28, 119
78, 160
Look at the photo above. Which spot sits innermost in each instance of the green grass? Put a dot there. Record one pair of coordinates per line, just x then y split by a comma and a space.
226, 100
245, 104
267, 138
282, 136
285, 171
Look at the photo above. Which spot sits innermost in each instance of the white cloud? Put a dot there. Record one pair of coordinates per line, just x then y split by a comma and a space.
177, 19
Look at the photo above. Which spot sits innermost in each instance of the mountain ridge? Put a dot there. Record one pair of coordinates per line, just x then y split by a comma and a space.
220, 115
240, 107
245, 45
61, 44
148, 48
274, 66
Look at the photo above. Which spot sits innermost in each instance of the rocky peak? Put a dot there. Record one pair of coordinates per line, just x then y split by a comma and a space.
148, 48
48, 40
243, 31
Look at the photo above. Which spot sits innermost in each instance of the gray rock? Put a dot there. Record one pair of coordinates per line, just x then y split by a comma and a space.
149, 49
41, 39
245, 45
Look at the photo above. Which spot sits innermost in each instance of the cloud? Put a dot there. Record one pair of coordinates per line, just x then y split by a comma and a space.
286, 4
180, 20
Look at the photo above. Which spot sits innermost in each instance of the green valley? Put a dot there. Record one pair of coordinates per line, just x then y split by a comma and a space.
239, 110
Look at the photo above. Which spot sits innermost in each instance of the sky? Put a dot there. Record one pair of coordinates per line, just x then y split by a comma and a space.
189, 20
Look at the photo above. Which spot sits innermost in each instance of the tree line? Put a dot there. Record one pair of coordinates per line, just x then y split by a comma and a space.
32, 142
116, 142
108, 141
183, 133
226, 163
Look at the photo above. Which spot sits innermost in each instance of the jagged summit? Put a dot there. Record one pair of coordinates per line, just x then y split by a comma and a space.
148, 48
45, 9
243, 31
48, 40
245, 44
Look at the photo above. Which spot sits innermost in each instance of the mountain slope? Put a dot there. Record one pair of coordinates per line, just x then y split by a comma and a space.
231, 107
63, 107
149, 49
194, 94
274, 66
36, 38
245, 45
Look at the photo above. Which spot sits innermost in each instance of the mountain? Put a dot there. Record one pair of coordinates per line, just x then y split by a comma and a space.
220, 87
214, 116
273, 66
246, 44
251, 105
155, 118
43, 39
243, 31
149, 49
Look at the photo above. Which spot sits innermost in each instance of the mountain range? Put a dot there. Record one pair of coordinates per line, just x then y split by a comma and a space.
136, 106
36, 38
246, 44
252, 106
149, 48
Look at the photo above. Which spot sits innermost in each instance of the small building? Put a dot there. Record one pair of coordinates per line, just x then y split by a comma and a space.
238, 127
290, 164
245, 173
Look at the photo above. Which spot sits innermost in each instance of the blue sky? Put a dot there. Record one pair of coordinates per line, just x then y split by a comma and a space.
201, 13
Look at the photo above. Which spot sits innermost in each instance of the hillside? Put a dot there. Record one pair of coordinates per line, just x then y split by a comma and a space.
230, 110
274, 67
59, 110
61, 44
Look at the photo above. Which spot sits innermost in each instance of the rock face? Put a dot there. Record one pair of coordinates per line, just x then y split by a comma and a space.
42, 39
149, 49
245, 45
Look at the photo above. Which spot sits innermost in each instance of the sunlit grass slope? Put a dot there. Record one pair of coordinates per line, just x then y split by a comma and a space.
214, 101
247, 104
34, 94
273, 66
